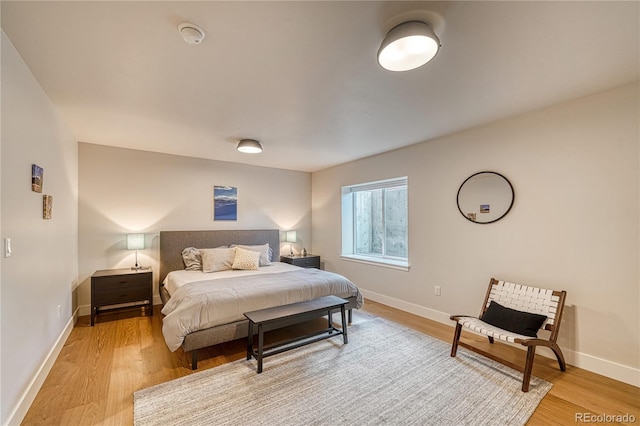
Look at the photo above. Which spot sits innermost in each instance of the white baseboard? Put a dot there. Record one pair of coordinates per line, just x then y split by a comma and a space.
613, 370
25, 401
412, 308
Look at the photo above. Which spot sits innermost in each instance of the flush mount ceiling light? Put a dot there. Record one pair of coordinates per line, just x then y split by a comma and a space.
408, 46
191, 33
249, 146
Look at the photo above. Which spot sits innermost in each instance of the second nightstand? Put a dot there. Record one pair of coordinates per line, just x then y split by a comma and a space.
117, 286
308, 261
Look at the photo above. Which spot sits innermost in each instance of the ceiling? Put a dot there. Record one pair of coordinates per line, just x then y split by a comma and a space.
302, 77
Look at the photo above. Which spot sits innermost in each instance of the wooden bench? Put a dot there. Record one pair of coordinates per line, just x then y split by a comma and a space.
281, 316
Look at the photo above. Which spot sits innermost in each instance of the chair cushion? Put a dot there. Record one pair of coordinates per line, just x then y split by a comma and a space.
519, 322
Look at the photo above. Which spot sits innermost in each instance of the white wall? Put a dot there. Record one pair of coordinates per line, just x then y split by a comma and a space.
43, 268
124, 190
574, 224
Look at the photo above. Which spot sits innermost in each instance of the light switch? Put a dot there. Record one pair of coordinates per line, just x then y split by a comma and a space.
7, 247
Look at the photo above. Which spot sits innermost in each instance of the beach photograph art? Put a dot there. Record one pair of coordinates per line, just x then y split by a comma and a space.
225, 203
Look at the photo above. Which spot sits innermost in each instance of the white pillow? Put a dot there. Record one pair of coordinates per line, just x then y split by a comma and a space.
264, 249
217, 259
246, 259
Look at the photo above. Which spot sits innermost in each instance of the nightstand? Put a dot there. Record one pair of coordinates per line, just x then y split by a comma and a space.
117, 286
308, 261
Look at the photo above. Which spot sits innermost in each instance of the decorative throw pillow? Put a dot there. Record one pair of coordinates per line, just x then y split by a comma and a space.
217, 259
264, 249
519, 322
246, 259
192, 259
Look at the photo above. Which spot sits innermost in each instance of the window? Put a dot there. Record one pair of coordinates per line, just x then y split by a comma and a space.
375, 223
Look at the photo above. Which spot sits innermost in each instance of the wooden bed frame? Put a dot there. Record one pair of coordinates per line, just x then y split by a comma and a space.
171, 245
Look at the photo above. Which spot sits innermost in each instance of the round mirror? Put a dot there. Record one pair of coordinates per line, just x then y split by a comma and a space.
485, 197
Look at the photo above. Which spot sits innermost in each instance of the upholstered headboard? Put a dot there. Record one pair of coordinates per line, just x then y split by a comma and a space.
173, 242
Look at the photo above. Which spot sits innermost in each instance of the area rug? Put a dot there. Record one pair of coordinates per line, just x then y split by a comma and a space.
386, 374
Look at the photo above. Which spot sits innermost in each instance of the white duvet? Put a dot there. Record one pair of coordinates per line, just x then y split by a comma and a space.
200, 301
177, 279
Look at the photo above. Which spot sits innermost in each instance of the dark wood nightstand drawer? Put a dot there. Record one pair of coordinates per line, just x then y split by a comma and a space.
125, 295
309, 261
121, 281
120, 286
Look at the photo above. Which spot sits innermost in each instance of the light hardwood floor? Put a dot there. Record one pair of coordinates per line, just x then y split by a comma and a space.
93, 380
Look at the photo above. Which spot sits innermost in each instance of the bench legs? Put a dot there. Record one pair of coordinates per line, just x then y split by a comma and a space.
250, 353
194, 353
344, 325
343, 318
259, 354
260, 347
299, 341
250, 341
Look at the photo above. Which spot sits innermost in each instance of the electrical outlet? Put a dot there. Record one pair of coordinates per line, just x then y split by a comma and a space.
59, 311
436, 290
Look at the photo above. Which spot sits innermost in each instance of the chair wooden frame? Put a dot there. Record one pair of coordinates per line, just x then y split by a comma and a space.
522, 298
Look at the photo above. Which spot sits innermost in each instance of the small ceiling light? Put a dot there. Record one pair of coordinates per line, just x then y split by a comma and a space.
249, 146
191, 33
408, 46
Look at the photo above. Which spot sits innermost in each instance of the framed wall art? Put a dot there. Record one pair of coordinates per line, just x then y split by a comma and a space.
47, 206
225, 203
37, 177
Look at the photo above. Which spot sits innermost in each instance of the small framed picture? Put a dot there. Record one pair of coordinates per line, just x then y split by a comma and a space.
47, 206
37, 176
225, 203
484, 208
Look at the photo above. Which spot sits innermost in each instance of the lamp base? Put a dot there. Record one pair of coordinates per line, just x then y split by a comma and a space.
140, 268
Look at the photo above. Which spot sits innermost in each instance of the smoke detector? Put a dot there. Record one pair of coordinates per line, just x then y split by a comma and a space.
191, 33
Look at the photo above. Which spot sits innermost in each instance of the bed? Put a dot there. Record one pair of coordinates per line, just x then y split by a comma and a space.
186, 293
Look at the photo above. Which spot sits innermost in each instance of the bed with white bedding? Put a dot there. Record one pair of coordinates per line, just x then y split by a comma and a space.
204, 309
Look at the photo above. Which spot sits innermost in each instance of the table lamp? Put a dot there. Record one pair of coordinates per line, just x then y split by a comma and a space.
290, 237
135, 242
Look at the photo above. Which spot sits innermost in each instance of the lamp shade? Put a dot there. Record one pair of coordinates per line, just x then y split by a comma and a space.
135, 241
290, 236
408, 46
249, 146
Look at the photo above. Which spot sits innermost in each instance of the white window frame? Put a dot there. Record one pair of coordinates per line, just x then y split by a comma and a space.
348, 224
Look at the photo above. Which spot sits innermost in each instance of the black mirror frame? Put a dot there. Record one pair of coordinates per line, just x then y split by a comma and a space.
513, 197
